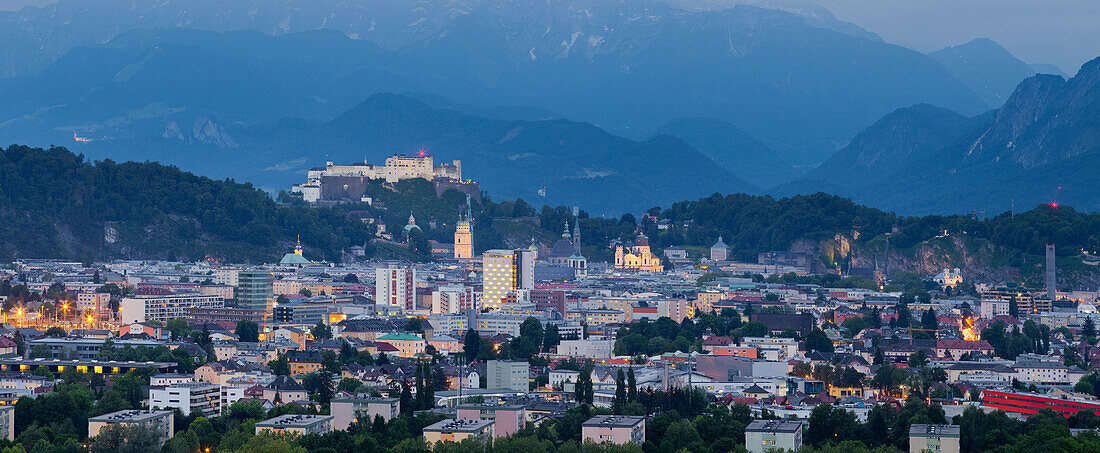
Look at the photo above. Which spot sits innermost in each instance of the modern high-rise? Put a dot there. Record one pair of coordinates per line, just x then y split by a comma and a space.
504, 273
395, 286
255, 290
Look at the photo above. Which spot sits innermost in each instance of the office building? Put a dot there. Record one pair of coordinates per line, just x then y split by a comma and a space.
507, 374
255, 290
162, 308
348, 411
160, 421
296, 424
395, 286
935, 438
188, 397
616, 429
766, 435
458, 430
504, 273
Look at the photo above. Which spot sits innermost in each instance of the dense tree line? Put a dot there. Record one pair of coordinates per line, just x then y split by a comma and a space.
59, 205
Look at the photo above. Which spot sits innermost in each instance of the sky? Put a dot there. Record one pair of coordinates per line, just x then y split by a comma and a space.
1063, 32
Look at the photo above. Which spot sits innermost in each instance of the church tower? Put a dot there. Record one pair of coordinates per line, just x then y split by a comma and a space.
464, 239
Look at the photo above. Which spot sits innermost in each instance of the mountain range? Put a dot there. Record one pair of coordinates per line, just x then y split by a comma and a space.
1042, 146
794, 78
613, 105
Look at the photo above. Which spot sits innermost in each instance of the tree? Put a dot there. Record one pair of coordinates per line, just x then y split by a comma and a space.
280, 366
321, 331
928, 320
305, 292
918, 359
1089, 329
818, 341
247, 331
620, 392
754, 329
551, 338
55, 331
632, 385
472, 344
1013, 307
178, 328
351, 278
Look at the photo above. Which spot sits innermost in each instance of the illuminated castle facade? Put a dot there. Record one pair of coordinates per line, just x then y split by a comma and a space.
397, 168
637, 257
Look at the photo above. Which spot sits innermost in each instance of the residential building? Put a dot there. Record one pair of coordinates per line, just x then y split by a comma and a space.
596, 349
504, 274
935, 438
188, 397
458, 430
616, 429
453, 299
395, 286
507, 374
162, 308
765, 435
407, 344
7, 422
285, 389
347, 411
96, 304
509, 418
160, 421
303, 362
299, 424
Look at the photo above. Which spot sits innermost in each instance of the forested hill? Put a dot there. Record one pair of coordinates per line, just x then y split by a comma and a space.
54, 204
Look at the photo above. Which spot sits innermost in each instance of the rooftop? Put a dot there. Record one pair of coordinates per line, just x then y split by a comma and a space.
614, 421
294, 421
773, 426
130, 416
472, 425
920, 430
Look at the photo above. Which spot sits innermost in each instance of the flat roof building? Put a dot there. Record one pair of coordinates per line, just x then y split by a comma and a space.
160, 421
617, 429
509, 418
458, 430
939, 438
296, 424
765, 435
188, 397
348, 411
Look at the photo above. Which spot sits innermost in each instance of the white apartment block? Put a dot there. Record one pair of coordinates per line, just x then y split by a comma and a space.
395, 286
163, 308
453, 299
187, 397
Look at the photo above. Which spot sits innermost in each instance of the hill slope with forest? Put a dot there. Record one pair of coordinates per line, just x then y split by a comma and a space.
55, 204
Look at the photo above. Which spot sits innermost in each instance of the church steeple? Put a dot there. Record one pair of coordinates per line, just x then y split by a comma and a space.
565, 232
298, 246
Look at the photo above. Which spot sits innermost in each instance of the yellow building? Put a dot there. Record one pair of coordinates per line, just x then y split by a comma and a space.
637, 257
